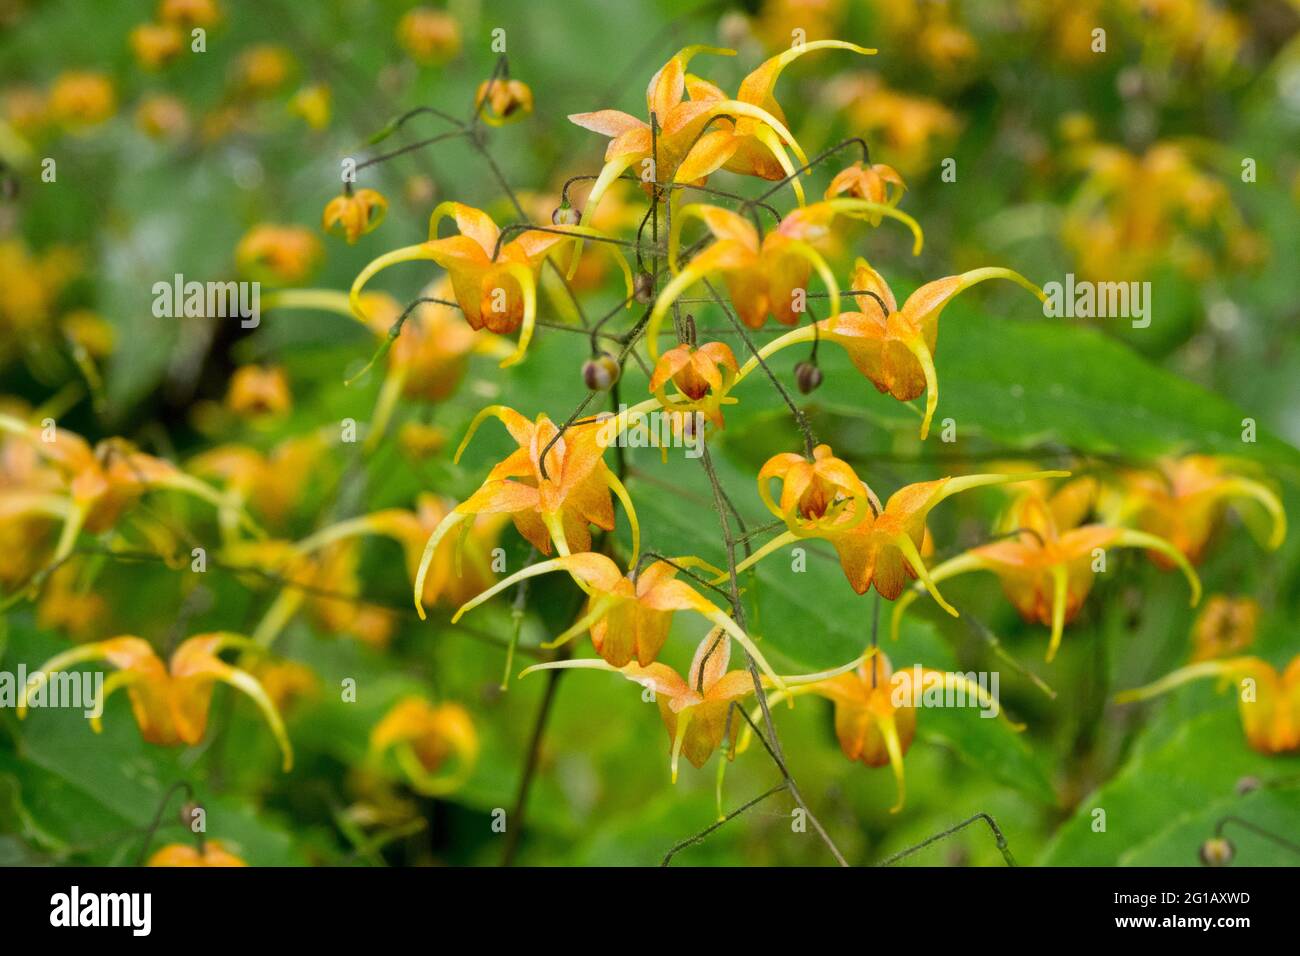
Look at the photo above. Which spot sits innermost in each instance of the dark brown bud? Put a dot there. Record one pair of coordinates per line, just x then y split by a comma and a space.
807, 376
1217, 851
189, 810
600, 372
643, 287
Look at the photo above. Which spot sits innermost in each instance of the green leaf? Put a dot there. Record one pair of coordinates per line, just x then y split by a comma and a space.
1167, 800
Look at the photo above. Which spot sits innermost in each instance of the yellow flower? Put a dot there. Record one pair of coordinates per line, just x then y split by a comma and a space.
875, 545
499, 101
423, 738
767, 276
1047, 563
170, 701
162, 117
695, 708
1224, 627
189, 13
264, 68
182, 854
875, 710
495, 282
82, 98
894, 347
702, 377
1185, 500
746, 135
354, 213
156, 44
312, 103
1269, 702
429, 36
284, 255
258, 391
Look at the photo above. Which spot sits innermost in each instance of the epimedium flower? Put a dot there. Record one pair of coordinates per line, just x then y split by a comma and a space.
1268, 701
702, 376
93, 487
767, 276
213, 853
894, 347
278, 255
694, 708
259, 391
881, 547
1225, 626
499, 101
815, 494
1048, 563
170, 700
876, 183
81, 98
551, 505
156, 44
354, 214
876, 710
494, 282
190, 13
429, 36
629, 615
751, 141
457, 570
1184, 501
424, 738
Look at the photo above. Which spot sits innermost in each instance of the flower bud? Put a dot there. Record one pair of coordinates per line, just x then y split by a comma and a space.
643, 288
565, 215
1217, 851
600, 372
807, 377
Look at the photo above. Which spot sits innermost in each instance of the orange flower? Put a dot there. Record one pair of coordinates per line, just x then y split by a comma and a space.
1269, 702
815, 494
354, 214
82, 98
429, 36
156, 44
456, 572
495, 283
264, 69
162, 117
272, 483
256, 391
190, 13
877, 183
768, 276
500, 101
629, 615
750, 141
554, 505
894, 347
1225, 626
423, 737
312, 104
93, 486
880, 548
694, 709
282, 255
1047, 568
702, 375
182, 854
1185, 501
170, 702
875, 710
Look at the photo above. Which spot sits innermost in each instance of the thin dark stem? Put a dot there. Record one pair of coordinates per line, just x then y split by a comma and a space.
992, 825
700, 837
